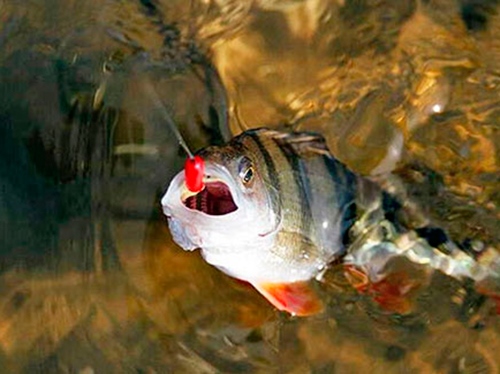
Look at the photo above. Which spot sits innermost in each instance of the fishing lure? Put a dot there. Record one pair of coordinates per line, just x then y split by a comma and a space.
194, 170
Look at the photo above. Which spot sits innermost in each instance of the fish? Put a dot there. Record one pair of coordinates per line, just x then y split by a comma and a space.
278, 208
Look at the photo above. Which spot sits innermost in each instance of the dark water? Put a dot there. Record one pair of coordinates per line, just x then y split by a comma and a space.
91, 281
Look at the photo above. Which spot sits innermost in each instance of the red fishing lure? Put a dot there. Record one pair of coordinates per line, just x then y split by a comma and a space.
194, 170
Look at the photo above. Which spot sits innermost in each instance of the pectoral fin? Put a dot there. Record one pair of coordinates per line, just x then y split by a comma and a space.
297, 298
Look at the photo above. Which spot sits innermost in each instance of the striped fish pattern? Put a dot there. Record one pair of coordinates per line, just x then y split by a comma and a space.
278, 208
314, 192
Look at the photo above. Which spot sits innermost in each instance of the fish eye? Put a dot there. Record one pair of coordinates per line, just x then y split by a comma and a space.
248, 175
246, 170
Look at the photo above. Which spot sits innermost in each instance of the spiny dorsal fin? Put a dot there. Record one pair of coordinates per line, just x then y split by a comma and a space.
304, 143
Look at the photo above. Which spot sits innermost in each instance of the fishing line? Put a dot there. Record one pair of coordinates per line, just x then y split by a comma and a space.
194, 167
158, 104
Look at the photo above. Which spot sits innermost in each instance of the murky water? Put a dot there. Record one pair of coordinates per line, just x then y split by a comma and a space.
91, 280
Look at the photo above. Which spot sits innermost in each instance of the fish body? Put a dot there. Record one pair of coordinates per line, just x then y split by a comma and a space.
277, 209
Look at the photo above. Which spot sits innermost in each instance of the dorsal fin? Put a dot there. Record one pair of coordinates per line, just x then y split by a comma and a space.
305, 144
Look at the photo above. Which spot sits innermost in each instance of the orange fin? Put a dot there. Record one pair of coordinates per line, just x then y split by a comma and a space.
297, 298
393, 293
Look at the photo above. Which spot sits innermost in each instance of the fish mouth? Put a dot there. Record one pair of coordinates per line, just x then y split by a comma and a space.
215, 199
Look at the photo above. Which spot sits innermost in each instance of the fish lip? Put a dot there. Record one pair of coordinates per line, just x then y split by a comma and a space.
185, 193
177, 192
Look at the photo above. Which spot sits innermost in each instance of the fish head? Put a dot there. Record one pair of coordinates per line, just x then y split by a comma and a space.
236, 210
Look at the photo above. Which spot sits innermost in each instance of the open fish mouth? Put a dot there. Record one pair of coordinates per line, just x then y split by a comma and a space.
215, 200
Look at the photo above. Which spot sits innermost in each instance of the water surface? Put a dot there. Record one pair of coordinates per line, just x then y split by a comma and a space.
91, 280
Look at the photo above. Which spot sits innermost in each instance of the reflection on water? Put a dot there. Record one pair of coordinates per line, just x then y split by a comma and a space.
90, 278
